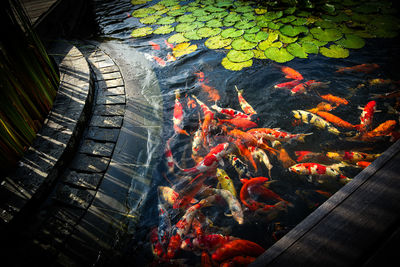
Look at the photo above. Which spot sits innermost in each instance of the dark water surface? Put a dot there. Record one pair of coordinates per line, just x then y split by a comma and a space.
274, 108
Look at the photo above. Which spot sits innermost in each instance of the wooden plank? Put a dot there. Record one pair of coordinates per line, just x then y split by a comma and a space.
372, 186
36, 8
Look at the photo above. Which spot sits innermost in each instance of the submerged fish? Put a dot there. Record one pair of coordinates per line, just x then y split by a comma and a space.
308, 117
277, 134
243, 103
240, 122
316, 169
225, 181
241, 168
336, 120
367, 115
351, 156
366, 68
323, 106
291, 73
213, 93
335, 99
231, 112
237, 247
290, 84
178, 115
154, 45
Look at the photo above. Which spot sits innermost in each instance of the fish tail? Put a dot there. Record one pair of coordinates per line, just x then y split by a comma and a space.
343, 179
302, 136
238, 90
180, 131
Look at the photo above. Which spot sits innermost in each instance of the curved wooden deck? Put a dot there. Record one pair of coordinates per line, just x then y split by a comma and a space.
36, 8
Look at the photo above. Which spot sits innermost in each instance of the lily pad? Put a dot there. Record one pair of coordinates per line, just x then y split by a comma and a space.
244, 9
224, 3
239, 56
242, 44
260, 11
334, 51
279, 55
293, 31
177, 38
256, 37
310, 39
205, 18
274, 26
143, 31
287, 19
351, 41
164, 29
214, 9
244, 25
192, 35
299, 22
231, 33
139, 2
236, 66
183, 49
217, 42
186, 18
271, 15
327, 35
143, 12
286, 39
150, 19
232, 17
165, 20
214, 23
248, 16
326, 24
176, 12
259, 54
185, 27
255, 29
205, 32
200, 13
220, 15
169, 3
301, 51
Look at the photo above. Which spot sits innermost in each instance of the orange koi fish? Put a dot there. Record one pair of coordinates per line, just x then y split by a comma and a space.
316, 169
243, 103
213, 93
178, 115
367, 115
205, 259
160, 61
250, 140
200, 76
336, 120
235, 248
323, 106
290, 84
231, 112
186, 196
291, 73
154, 45
394, 94
335, 99
169, 45
276, 134
363, 164
211, 242
240, 122
366, 68
170, 57
245, 152
208, 117
307, 155
167, 194
286, 160
351, 156
302, 87
383, 129
238, 261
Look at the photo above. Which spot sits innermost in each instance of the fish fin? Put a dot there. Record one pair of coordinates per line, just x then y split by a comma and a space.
238, 90
360, 108
302, 136
309, 178
228, 215
221, 162
378, 110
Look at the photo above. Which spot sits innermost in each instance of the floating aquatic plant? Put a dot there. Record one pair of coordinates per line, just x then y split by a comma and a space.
166, 20
177, 38
217, 42
236, 66
166, 29
326, 35
231, 33
141, 32
351, 41
293, 31
192, 35
183, 49
205, 32
239, 56
302, 51
143, 12
214, 23
185, 27
242, 44
256, 37
280, 55
150, 19
334, 51
244, 25
186, 18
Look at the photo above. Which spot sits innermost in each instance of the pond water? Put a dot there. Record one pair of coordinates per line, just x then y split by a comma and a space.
342, 36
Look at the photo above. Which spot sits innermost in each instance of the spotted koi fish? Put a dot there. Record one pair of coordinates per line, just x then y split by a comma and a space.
231, 112
367, 115
259, 154
352, 156
383, 129
310, 118
315, 169
241, 168
290, 84
178, 115
235, 248
243, 103
233, 203
208, 117
225, 182
164, 226
168, 156
276, 134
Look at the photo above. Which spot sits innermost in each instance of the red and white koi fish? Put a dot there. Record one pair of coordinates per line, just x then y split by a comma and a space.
231, 112
160, 61
156, 246
351, 156
241, 168
235, 248
169, 45
259, 154
315, 169
277, 134
200, 76
363, 164
154, 45
211, 242
210, 161
307, 155
243, 103
367, 115
290, 84
196, 142
240, 123
178, 115
174, 245
168, 155
366, 68
208, 117
238, 261
290, 73
186, 195
164, 226
302, 87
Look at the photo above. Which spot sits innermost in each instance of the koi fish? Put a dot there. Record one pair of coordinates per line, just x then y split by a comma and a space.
238, 261
225, 181
363, 164
154, 45
178, 115
170, 57
183, 225
156, 247
233, 204
243, 103
168, 194
307, 155
366, 68
164, 226
169, 156
394, 94
213, 93
323, 106
205, 259
245, 152
336, 120
284, 157
291, 73
311, 118
160, 61
290, 84
186, 196
352, 156
240, 122
315, 169
196, 142
383, 129
173, 245
335, 99
237, 247
277, 134
200, 76
169, 45
259, 154
211, 242
367, 115
241, 168
210, 161
231, 112
250, 139
208, 117
302, 87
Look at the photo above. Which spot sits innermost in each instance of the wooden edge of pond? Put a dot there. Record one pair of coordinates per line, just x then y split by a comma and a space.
349, 227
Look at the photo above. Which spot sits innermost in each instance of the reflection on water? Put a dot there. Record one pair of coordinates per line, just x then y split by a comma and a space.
270, 208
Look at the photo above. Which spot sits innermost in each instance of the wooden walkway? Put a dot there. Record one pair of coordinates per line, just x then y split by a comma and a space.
358, 226
36, 8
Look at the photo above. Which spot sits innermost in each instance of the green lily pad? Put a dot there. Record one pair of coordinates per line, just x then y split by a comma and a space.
217, 42
143, 31
244, 25
242, 44
231, 33
255, 29
176, 12
270, 41
220, 15
150, 19
158, 7
338, 18
224, 3
302, 51
205, 18
200, 13
327, 35
293, 31
287, 19
164, 29
214, 9
232, 17
139, 2
260, 11
143, 12
310, 39
351, 41
244, 9
165, 20
205, 32
185, 27
290, 10
239, 56
310, 48
274, 26
286, 39
177, 38
168, 3
214, 23
248, 16
186, 18
259, 54
256, 37
192, 35
236, 66
279, 55
271, 15
334, 51
326, 24
299, 22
